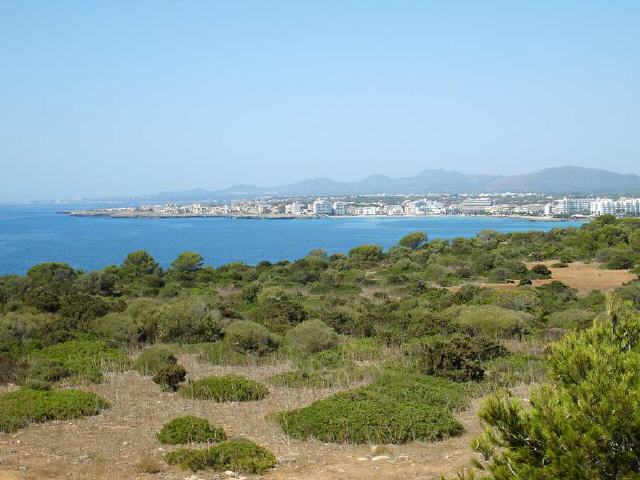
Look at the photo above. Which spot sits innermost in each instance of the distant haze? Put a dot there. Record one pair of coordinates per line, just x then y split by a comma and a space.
102, 99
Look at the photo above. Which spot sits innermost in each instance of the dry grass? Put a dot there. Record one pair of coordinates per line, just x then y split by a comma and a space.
120, 443
584, 277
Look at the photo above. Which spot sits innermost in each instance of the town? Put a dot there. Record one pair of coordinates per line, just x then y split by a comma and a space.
529, 205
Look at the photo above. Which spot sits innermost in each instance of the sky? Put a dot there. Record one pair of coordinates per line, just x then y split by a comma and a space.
134, 97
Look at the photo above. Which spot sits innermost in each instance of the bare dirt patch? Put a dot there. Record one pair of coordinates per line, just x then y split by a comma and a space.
584, 277
120, 442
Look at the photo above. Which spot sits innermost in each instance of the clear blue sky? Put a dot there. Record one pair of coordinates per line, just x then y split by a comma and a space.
132, 97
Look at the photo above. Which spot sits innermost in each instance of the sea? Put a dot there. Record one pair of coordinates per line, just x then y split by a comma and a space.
36, 233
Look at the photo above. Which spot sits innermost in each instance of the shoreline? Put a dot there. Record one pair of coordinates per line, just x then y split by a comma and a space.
248, 216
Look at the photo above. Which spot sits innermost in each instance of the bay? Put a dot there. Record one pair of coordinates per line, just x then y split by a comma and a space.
32, 234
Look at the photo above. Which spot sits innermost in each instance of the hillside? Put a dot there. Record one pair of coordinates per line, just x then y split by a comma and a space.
559, 180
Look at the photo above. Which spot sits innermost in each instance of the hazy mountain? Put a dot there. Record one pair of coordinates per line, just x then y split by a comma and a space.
559, 180
568, 180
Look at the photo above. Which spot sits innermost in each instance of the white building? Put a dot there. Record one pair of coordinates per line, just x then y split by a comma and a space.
322, 207
475, 205
295, 208
568, 206
602, 206
628, 206
394, 210
340, 208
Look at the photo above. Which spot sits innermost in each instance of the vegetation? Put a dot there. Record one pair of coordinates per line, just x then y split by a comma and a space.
412, 332
227, 388
190, 429
27, 405
586, 422
394, 409
237, 455
76, 361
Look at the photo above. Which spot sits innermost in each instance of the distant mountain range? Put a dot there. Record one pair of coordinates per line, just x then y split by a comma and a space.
558, 180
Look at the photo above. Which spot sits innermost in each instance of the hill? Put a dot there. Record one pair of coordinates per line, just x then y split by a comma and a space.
558, 180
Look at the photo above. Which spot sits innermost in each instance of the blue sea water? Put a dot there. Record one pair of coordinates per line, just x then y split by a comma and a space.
31, 234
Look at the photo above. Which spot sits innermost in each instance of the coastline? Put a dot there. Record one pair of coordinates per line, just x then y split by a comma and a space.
249, 216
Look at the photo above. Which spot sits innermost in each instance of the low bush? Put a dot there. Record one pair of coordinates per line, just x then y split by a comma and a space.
540, 270
76, 361
515, 369
308, 377
397, 408
154, 358
246, 336
492, 321
170, 376
457, 357
190, 429
311, 336
227, 388
571, 319
22, 407
237, 455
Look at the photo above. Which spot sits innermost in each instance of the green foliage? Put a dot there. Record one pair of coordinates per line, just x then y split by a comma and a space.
80, 308
154, 358
278, 311
170, 376
311, 336
571, 319
55, 277
227, 388
76, 361
246, 336
26, 405
540, 270
397, 408
413, 240
366, 253
188, 320
237, 455
457, 357
514, 370
492, 321
189, 429
586, 423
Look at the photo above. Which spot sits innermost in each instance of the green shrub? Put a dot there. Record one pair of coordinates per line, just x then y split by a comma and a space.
237, 455
154, 358
413, 240
250, 337
311, 336
190, 429
118, 328
366, 253
396, 408
188, 320
22, 407
515, 369
571, 319
361, 349
170, 376
76, 360
228, 388
309, 377
456, 357
540, 270
492, 321
584, 424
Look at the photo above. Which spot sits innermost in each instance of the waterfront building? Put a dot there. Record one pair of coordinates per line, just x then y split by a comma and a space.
340, 209
602, 206
629, 207
322, 207
475, 205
